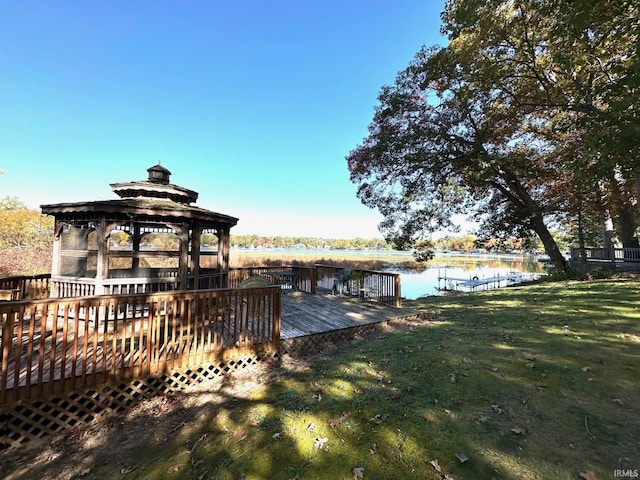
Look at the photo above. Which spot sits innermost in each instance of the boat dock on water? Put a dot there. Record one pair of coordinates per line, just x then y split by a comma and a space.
476, 282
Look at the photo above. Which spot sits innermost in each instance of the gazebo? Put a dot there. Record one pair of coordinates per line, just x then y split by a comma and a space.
147, 240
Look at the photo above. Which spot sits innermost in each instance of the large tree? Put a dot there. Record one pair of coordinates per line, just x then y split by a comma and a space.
484, 126
576, 66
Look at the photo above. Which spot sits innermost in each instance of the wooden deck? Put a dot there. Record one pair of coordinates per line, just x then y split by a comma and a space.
302, 314
307, 314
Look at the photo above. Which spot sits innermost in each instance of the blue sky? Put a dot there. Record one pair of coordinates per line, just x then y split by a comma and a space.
252, 104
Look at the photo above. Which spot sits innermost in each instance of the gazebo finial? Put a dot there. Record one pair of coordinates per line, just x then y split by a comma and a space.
159, 174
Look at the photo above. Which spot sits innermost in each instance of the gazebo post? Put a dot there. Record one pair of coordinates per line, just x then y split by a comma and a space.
135, 244
101, 267
183, 264
55, 260
196, 234
224, 238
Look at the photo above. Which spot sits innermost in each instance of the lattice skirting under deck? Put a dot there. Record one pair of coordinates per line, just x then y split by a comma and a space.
35, 419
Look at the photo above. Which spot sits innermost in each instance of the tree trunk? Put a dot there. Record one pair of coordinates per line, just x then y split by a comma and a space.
550, 246
536, 221
627, 226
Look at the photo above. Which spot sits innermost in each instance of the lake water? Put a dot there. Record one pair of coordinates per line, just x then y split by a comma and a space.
416, 284
456, 269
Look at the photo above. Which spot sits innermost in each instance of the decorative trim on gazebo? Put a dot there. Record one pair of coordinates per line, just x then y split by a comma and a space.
151, 206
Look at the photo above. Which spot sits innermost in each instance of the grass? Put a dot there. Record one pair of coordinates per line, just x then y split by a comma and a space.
546, 386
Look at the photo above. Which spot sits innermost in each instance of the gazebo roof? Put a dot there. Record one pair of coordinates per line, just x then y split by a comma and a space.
149, 201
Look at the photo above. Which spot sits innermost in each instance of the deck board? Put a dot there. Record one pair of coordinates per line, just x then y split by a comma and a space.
308, 314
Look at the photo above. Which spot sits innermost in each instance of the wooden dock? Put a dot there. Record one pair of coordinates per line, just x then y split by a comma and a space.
307, 314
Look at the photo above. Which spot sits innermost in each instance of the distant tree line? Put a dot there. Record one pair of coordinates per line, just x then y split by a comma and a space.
256, 241
26, 241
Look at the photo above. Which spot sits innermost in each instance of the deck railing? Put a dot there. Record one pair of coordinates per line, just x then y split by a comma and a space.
19, 286
56, 345
371, 284
607, 254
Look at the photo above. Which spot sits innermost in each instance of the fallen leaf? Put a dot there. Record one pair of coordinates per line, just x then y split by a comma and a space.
483, 418
276, 436
320, 443
357, 472
462, 457
530, 365
373, 449
377, 420
588, 475
586, 369
517, 430
436, 466
311, 427
452, 377
428, 417
344, 416
618, 401
448, 477
332, 423
395, 393
497, 409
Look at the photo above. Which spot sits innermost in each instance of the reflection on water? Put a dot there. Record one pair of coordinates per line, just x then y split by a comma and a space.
416, 284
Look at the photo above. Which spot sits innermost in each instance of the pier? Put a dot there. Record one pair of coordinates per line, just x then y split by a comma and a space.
475, 281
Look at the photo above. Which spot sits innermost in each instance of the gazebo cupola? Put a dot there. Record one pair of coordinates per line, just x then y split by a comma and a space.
148, 239
157, 186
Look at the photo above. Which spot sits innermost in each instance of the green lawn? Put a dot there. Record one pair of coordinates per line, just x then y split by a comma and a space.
532, 382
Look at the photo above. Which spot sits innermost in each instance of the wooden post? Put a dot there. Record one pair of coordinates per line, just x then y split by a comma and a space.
224, 238
196, 234
183, 265
101, 267
55, 262
135, 244
314, 279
